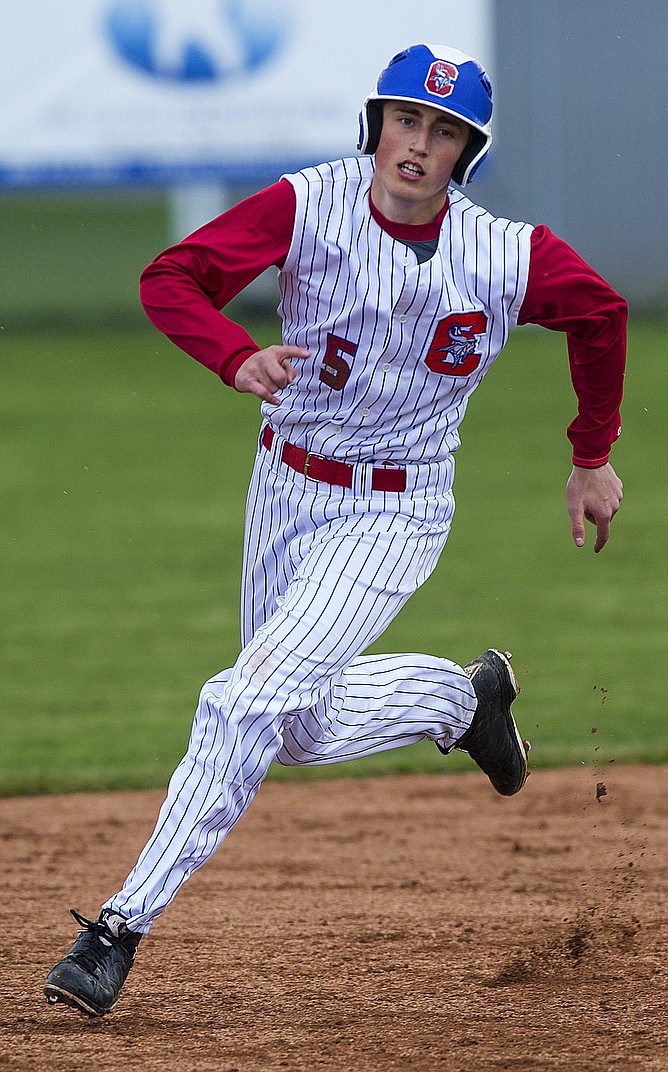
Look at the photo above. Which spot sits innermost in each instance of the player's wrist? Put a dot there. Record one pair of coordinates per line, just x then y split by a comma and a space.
231, 367
590, 463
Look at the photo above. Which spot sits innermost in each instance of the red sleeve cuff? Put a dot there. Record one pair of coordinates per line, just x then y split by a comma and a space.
590, 463
229, 370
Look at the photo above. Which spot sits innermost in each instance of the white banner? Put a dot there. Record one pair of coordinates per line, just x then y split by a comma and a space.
108, 91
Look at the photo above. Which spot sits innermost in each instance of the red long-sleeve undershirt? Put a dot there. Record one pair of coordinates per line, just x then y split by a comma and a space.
184, 289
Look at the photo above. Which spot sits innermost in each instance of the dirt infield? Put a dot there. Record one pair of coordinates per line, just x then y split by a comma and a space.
396, 923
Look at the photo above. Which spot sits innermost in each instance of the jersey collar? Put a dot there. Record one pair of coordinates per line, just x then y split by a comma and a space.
408, 232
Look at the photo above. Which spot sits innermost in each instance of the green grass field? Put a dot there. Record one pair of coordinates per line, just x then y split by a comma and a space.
74, 258
125, 467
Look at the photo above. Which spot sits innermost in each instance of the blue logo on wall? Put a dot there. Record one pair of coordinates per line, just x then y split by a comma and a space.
201, 41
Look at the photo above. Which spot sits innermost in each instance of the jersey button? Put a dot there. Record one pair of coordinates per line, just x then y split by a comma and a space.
366, 412
402, 319
387, 368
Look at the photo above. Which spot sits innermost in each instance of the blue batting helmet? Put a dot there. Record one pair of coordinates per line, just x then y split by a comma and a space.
441, 77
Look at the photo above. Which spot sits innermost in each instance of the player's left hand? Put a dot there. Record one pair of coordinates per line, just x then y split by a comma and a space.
594, 495
270, 370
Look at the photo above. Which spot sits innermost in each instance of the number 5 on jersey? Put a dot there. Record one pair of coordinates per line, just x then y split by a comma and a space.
335, 369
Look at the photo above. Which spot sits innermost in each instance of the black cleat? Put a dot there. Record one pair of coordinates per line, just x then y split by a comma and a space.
492, 739
90, 976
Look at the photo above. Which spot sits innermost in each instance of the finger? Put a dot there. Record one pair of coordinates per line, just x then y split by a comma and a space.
274, 379
616, 503
264, 391
285, 354
294, 351
268, 382
290, 373
578, 528
287, 366
602, 534
267, 396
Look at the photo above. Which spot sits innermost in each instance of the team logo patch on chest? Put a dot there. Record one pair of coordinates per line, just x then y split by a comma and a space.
441, 78
455, 347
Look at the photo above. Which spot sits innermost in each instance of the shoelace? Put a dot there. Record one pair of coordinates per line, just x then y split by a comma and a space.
91, 955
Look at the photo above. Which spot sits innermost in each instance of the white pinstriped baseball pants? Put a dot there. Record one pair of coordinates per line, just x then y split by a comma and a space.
326, 569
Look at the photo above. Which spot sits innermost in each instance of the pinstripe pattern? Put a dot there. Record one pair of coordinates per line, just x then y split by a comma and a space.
326, 570
345, 276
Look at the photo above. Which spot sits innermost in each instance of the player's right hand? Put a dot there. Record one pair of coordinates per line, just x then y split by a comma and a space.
593, 495
267, 371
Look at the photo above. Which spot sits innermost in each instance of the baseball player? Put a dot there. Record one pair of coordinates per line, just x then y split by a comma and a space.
397, 294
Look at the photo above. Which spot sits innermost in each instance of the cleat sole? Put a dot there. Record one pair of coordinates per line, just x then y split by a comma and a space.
505, 657
56, 995
524, 746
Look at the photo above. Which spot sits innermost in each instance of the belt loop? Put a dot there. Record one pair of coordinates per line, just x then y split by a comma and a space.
362, 478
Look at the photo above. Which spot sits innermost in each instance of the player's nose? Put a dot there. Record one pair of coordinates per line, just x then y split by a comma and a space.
419, 141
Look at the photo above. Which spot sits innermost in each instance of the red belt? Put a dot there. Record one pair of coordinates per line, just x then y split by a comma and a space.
326, 470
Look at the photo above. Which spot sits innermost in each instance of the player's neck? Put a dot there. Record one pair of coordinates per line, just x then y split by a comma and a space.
415, 231
405, 212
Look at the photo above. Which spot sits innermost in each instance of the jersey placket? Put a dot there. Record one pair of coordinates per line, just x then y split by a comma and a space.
412, 302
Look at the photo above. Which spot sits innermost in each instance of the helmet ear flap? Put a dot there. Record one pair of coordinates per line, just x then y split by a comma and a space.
471, 158
371, 124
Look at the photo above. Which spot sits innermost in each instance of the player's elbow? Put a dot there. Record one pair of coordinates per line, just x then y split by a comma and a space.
621, 309
156, 289
148, 290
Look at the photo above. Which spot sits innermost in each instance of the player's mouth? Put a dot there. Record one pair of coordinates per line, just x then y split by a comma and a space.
411, 170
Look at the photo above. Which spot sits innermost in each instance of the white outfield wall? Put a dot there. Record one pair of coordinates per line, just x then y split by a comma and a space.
104, 92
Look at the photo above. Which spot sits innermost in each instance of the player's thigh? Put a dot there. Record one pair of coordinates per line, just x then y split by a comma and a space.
349, 587
351, 582
276, 516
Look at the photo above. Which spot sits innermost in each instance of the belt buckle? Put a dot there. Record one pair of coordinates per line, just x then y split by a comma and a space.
307, 465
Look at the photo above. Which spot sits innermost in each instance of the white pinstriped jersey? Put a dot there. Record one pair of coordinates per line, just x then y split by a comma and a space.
397, 347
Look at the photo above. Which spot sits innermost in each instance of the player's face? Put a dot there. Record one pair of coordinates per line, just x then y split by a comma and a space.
418, 148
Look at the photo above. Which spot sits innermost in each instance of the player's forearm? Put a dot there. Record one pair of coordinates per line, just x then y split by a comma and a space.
565, 294
184, 288
597, 371
177, 306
